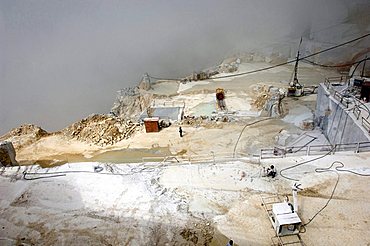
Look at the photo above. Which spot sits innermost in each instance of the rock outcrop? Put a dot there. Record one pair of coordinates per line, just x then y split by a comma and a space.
130, 102
7, 154
100, 130
24, 135
268, 99
145, 83
229, 65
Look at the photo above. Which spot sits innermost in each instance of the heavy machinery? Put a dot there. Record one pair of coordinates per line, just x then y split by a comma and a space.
220, 97
295, 88
285, 219
284, 216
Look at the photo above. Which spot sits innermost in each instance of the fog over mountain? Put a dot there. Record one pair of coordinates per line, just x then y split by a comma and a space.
63, 60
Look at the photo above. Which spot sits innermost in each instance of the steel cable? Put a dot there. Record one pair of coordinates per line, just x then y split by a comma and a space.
284, 63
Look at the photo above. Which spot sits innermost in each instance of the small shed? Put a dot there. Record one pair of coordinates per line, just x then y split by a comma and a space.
151, 124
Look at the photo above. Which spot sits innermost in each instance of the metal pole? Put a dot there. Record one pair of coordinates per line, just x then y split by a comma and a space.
363, 68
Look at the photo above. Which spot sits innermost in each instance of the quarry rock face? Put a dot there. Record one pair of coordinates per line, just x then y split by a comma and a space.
268, 99
130, 102
273, 106
145, 83
7, 154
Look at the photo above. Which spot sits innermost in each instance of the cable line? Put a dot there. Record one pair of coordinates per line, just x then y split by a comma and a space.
340, 65
152, 77
291, 61
249, 124
336, 170
302, 163
284, 63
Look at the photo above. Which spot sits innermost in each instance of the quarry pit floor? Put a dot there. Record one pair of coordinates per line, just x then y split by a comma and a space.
200, 138
204, 199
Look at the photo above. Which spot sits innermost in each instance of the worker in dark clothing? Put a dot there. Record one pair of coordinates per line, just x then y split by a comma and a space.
230, 243
271, 171
180, 131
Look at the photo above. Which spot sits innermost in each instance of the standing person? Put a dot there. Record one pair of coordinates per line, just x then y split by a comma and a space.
230, 243
180, 131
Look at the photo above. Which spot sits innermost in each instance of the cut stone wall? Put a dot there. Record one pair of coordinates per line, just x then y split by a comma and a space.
338, 124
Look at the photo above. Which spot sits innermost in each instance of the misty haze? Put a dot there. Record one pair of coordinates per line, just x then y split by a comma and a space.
63, 60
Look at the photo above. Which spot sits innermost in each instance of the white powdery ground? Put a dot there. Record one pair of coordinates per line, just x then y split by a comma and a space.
150, 203
129, 208
239, 102
229, 193
189, 85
